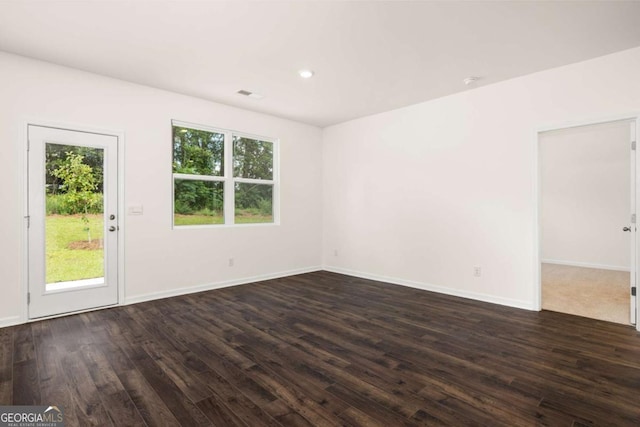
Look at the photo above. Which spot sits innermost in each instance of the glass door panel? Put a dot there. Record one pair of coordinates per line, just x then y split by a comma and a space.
74, 221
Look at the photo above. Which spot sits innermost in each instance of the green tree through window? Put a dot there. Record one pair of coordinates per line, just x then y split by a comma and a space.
203, 187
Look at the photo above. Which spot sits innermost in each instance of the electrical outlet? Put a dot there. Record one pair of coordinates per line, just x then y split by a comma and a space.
230, 262
477, 271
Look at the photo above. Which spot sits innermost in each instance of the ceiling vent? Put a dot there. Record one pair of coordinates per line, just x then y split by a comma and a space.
250, 94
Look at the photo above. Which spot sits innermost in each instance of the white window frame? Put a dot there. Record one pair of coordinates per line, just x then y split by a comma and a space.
228, 179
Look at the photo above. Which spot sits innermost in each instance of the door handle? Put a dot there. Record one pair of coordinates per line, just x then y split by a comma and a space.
626, 228
112, 228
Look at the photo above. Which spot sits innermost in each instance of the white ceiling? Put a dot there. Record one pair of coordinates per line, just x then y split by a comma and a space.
369, 56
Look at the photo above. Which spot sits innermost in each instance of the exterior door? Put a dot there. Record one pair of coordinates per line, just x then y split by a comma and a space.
633, 228
73, 224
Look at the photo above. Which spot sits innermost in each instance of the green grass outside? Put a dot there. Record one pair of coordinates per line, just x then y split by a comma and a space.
253, 219
241, 218
194, 219
65, 264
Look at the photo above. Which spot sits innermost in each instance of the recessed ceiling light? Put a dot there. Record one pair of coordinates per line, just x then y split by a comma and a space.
250, 94
305, 74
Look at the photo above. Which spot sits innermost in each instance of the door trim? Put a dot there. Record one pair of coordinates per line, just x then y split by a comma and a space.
78, 127
537, 255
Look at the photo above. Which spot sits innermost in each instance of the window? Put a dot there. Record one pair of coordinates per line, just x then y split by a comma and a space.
222, 177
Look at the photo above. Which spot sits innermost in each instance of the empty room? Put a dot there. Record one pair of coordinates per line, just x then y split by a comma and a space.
319, 213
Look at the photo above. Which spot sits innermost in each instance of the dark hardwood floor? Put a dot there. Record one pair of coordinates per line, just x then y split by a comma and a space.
324, 349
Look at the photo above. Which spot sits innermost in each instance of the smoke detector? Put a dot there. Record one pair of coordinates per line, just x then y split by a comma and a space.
469, 80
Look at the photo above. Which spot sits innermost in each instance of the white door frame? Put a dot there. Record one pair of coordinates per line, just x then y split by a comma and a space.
537, 294
120, 135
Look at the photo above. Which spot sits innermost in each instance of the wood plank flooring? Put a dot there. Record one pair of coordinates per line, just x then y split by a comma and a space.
322, 349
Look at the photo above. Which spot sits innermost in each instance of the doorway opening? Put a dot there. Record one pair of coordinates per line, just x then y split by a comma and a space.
587, 241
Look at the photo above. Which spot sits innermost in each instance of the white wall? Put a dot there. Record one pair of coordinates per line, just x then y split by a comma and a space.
158, 260
418, 195
422, 194
585, 195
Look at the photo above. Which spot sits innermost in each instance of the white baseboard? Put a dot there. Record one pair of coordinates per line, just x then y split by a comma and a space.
10, 321
434, 288
584, 264
216, 285
16, 320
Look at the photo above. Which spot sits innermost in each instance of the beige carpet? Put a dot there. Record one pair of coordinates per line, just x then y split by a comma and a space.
587, 292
